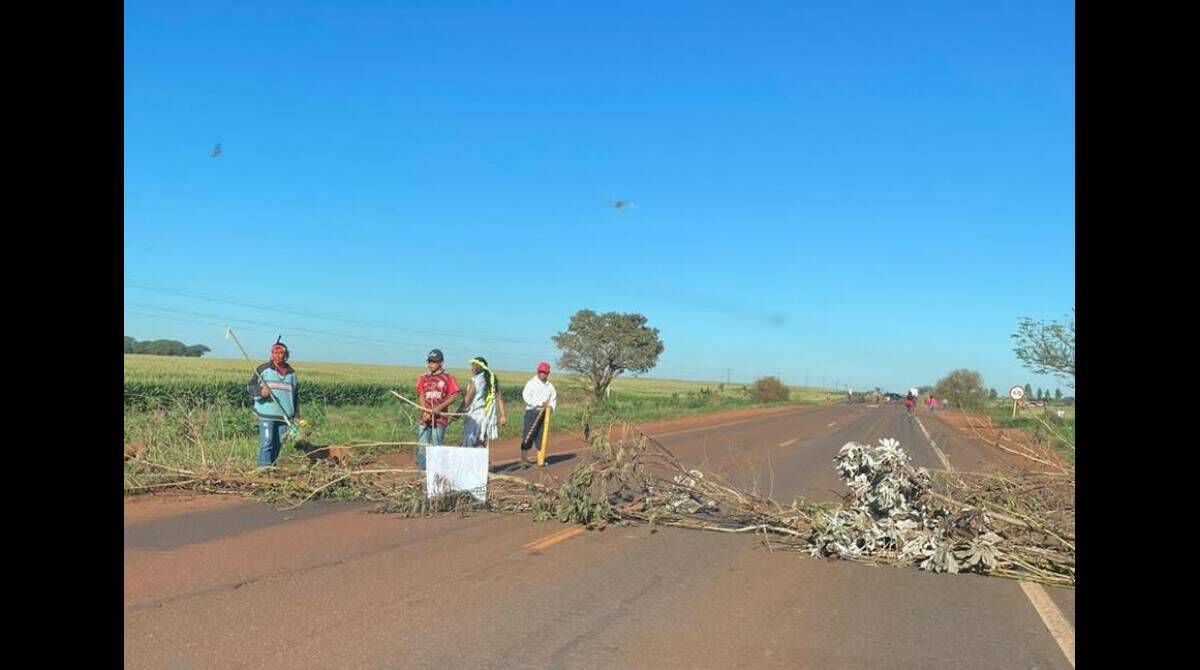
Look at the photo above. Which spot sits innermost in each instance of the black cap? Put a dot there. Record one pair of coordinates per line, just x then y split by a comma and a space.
435, 356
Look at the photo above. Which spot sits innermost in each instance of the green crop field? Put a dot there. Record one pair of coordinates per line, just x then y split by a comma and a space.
149, 379
175, 404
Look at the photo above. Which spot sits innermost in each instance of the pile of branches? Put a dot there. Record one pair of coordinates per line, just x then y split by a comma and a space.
989, 524
1018, 525
397, 490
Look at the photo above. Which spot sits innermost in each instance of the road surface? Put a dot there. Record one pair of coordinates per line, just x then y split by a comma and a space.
218, 582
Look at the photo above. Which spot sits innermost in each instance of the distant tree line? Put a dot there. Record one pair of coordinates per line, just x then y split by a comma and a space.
164, 348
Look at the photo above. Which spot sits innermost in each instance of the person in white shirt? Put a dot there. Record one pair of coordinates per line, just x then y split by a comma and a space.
539, 394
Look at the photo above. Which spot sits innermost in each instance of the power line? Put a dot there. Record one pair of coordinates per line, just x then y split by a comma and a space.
327, 317
666, 374
328, 334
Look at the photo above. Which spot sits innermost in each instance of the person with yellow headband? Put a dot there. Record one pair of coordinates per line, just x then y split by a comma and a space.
482, 404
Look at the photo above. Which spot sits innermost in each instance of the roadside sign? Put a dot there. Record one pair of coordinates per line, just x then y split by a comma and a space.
1016, 393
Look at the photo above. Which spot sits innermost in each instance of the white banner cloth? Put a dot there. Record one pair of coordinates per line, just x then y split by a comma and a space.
450, 469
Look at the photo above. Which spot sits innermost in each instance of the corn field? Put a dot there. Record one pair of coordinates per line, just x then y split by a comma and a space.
156, 381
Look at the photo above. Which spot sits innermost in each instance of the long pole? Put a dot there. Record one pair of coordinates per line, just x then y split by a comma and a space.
541, 460
229, 333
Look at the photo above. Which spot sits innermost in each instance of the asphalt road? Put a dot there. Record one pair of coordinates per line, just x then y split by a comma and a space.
218, 582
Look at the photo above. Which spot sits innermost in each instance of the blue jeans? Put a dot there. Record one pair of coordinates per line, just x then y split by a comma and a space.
270, 440
423, 436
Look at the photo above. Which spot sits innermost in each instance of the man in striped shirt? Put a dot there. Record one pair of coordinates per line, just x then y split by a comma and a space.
276, 400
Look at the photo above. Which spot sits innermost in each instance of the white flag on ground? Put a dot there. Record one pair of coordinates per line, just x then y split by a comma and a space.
449, 469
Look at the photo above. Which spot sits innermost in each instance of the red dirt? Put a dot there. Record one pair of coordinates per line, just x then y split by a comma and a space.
1010, 446
169, 503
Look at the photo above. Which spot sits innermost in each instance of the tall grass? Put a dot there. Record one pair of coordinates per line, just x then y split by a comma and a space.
1002, 415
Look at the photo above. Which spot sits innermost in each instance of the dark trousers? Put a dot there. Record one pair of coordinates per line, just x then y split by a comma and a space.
532, 433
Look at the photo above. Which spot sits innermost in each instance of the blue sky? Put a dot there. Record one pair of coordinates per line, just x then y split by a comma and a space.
865, 193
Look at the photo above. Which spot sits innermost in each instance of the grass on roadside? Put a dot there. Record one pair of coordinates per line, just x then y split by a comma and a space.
189, 411
1001, 414
190, 431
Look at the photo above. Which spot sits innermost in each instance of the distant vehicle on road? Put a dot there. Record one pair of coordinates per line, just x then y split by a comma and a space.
894, 397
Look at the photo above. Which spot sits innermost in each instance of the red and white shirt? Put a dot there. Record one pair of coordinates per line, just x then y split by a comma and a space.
433, 391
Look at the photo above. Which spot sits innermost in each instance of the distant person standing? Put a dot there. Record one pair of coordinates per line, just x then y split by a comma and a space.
484, 406
276, 401
945, 404
931, 402
539, 394
849, 397
435, 391
909, 402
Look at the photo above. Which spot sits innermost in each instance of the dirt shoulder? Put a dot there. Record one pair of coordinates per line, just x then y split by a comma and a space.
973, 443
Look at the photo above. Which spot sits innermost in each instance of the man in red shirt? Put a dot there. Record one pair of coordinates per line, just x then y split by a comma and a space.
435, 391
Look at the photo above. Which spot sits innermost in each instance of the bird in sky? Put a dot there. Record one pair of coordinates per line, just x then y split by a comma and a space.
621, 204
217, 150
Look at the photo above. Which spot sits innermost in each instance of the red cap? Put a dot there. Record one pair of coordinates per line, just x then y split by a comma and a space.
543, 367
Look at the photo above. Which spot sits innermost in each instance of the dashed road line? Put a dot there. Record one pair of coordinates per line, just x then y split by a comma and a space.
726, 425
940, 455
831, 424
577, 450
784, 444
554, 538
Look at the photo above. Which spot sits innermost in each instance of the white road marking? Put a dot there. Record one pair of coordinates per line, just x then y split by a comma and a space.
678, 432
784, 444
940, 455
1062, 632
831, 424
723, 425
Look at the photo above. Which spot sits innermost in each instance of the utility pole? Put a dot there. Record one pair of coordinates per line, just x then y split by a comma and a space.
726, 375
